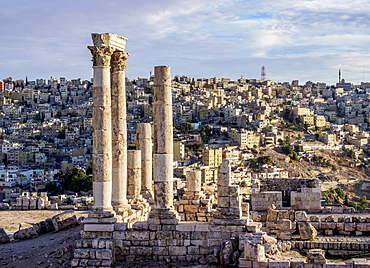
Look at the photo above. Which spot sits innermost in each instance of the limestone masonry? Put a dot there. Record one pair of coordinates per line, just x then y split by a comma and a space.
135, 217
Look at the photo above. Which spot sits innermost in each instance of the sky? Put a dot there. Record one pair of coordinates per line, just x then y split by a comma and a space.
305, 40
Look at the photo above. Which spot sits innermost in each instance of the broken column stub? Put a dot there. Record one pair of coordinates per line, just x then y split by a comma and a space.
228, 202
144, 144
133, 174
194, 180
163, 211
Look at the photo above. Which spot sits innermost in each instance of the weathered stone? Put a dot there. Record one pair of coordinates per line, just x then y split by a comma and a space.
254, 252
284, 235
226, 253
306, 231
284, 225
316, 256
4, 238
300, 216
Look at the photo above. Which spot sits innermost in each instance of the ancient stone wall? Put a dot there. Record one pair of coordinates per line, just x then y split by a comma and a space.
262, 200
287, 184
201, 242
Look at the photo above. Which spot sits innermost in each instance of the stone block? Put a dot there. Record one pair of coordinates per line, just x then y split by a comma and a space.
363, 227
297, 264
191, 208
161, 235
119, 235
283, 214
316, 256
185, 226
81, 253
284, 235
99, 227
104, 254
64, 220
193, 250
254, 227
160, 251
4, 238
201, 227
137, 235
177, 251
338, 265
314, 218
349, 227
306, 231
140, 250
254, 252
120, 226
300, 216
284, 225
278, 264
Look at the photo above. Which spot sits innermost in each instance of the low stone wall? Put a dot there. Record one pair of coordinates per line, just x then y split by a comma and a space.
334, 248
189, 241
355, 263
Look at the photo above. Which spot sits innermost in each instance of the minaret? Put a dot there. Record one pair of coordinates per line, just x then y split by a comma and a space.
340, 76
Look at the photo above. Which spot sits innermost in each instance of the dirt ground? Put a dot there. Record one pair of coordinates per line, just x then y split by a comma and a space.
53, 249
11, 219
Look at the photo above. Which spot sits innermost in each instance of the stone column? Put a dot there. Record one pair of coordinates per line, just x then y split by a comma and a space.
102, 133
133, 173
119, 132
144, 143
163, 211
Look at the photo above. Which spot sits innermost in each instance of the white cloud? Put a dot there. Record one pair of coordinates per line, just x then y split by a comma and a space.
299, 37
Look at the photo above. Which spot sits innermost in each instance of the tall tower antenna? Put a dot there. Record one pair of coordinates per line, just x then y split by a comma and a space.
263, 73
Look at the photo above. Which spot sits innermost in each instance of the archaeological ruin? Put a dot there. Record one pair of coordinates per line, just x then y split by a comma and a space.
136, 219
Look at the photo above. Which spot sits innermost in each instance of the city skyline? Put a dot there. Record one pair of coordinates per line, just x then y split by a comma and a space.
303, 40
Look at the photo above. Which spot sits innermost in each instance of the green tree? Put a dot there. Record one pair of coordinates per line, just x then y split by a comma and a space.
295, 156
205, 133
38, 137
185, 127
76, 180
52, 188
340, 193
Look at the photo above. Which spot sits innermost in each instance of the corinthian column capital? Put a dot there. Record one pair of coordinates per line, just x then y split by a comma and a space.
118, 62
101, 55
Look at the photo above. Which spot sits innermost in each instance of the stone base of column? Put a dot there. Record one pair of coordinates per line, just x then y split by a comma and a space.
96, 246
122, 209
163, 216
137, 202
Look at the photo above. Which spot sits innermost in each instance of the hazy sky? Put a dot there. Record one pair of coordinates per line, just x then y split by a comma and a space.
304, 40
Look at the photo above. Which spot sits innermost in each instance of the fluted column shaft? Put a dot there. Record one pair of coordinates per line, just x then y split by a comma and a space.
119, 131
102, 134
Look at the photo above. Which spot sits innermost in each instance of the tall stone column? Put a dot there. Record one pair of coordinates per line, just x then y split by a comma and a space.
102, 133
163, 211
119, 132
144, 144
